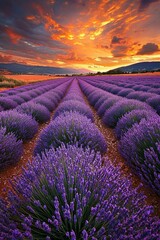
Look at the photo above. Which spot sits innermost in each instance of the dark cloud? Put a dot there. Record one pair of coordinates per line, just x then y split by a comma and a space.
148, 48
23, 32
116, 40
24, 18
119, 51
145, 3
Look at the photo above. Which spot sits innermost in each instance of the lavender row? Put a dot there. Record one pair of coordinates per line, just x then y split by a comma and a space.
141, 93
74, 101
138, 128
10, 99
67, 194
21, 124
32, 86
72, 124
40, 108
135, 82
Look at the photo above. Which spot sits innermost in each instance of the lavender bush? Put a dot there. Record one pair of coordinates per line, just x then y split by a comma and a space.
144, 88
67, 194
73, 105
124, 92
71, 128
106, 105
11, 149
101, 101
17, 99
25, 96
112, 115
49, 104
129, 119
152, 156
39, 112
94, 96
139, 95
7, 103
155, 103
74, 97
155, 90
115, 89
136, 145
22, 125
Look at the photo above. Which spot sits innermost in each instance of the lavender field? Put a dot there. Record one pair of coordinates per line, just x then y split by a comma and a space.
80, 159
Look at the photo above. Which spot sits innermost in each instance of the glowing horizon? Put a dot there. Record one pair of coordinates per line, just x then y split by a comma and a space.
95, 35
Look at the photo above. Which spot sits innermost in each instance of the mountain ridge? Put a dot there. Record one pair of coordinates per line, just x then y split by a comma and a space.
138, 67
17, 68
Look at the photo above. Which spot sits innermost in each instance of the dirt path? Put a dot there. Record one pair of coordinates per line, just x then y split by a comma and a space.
15, 170
114, 155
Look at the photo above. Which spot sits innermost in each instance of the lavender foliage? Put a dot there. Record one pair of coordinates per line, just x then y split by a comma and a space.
49, 104
25, 95
23, 126
155, 103
139, 95
71, 128
39, 112
74, 105
17, 99
129, 119
7, 103
100, 101
106, 105
11, 149
68, 194
124, 92
73, 96
137, 146
112, 115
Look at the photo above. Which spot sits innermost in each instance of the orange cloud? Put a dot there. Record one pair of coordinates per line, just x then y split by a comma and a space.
15, 37
87, 33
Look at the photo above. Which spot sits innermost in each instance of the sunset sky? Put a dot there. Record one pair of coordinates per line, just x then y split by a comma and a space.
96, 35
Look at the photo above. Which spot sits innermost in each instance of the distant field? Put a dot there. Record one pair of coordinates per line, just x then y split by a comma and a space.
26, 79
30, 78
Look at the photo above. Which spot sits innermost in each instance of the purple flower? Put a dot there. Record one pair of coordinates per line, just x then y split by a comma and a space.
139, 147
71, 128
39, 112
154, 102
112, 210
139, 95
113, 114
125, 91
7, 103
23, 126
107, 104
129, 119
11, 149
50, 105
17, 99
1, 109
76, 106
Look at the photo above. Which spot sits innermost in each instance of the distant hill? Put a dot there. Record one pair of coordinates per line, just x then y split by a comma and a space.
28, 69
137, 67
